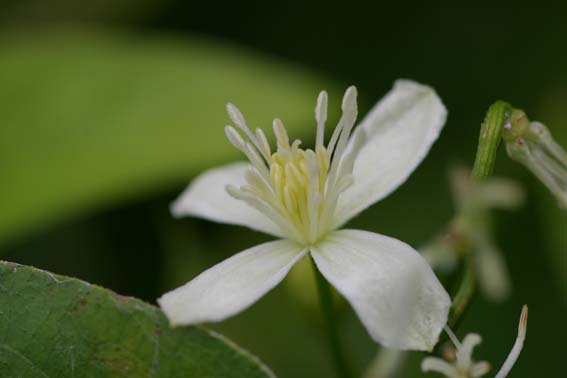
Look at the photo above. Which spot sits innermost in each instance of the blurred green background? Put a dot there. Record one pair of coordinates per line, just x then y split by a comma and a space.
109, 108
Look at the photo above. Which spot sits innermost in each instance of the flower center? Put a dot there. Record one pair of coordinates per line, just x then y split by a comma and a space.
297, 189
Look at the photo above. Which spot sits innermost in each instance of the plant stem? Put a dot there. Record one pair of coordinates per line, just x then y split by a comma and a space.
328, 312
464, 294
489, 139
490, 134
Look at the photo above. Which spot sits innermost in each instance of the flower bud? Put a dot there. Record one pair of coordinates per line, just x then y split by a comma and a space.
531, 144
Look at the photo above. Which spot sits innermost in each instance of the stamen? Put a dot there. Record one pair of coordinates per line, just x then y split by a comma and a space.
314, 196
518, 345
235, 115
290, 201
346, 122
314, 202
321, 117
346, 163
293, 176
281, 134
234, 138
295, 146
264, 145
312, 165
277, 176
323, 160
331, 199
264, 208
334, 138
256, 160
238, 119
358, 141
255, 178
349, 100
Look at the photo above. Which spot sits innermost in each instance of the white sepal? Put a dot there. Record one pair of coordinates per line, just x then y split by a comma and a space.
399, 132
206, 197
390, 286
232, 285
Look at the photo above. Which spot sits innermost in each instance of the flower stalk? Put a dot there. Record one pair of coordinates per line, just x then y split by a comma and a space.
464, 295
329, 318
490, 134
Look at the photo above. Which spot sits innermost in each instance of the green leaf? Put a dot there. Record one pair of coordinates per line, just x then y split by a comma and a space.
92, 119
56, 326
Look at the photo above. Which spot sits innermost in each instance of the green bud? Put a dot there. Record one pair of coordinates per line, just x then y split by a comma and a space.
531, 144
517, 125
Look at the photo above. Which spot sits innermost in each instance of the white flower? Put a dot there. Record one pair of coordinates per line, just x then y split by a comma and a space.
470, 232
465, 367
304, 197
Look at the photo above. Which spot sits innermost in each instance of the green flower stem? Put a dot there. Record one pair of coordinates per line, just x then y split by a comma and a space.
490, 134
497, 117
464, 294
328, 312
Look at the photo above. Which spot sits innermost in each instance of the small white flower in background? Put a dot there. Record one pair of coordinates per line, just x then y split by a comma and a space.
531, 144
465, 367
471, 230
304, 197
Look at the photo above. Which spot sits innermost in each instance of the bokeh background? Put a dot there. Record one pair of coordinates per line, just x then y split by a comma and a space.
108, 109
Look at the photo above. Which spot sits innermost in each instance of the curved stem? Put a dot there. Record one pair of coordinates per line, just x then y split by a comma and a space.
328, 312
490, 134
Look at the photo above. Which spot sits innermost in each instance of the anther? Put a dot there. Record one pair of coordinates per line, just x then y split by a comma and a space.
281, 134
321, 117
238, 119
264, 145
234, 138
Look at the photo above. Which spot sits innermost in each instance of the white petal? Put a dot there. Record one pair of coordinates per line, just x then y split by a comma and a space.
439, 366
206, 197
390, 286
501, 193
479, 369
493, 276
399, 131
465, 351
232, 285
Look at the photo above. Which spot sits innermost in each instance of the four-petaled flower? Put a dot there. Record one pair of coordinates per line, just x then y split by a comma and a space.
304, 197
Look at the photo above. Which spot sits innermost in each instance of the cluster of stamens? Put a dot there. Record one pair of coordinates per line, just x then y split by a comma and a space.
295, 188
